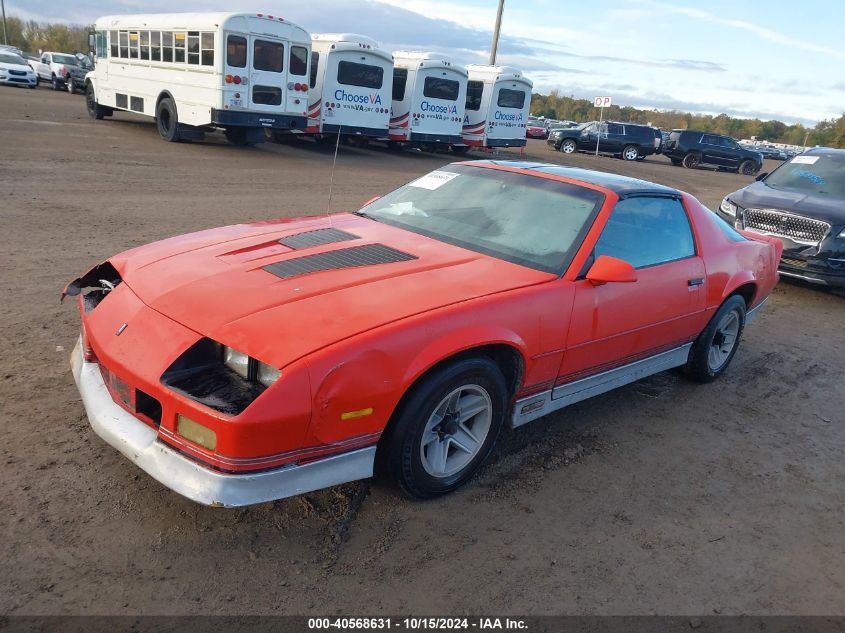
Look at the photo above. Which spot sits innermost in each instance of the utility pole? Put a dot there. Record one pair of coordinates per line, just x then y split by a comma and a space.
5, 37
496, 32
806, 137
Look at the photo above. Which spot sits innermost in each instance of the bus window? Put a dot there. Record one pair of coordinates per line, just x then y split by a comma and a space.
236, 51
439, 88
179, 47
207, 41
298, 60
400, 80
363, 75
315, 62
474, 91
113, 44
194, 47
124, 44
145, 44
133, 44
166, 46
267, 95
511, 98
268, 56
155, 46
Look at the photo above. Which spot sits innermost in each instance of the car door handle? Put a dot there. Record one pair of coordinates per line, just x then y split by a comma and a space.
698, 281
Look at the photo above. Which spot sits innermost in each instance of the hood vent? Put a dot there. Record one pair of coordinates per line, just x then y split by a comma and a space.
317, 238
368, 255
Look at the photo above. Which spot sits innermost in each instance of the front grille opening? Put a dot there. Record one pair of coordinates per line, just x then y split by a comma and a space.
148, 406
795, 227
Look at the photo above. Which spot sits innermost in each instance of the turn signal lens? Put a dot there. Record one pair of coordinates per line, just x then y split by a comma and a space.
196, 433
229, 79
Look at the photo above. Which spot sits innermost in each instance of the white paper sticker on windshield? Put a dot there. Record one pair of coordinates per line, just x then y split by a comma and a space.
433, 180
805, 160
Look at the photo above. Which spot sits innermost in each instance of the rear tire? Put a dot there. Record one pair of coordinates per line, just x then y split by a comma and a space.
237, 136
676, 161
692, 160
716, 346
446, 427
95, 110
167, 120
630, 152
460, 149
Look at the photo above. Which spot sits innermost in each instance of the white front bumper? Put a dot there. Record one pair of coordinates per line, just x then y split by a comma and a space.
139, 442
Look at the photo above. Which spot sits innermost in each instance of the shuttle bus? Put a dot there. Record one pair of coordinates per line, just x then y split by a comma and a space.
429, 95
194, 72
497, 104
351, 82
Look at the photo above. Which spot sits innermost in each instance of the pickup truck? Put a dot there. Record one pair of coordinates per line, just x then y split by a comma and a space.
61, 70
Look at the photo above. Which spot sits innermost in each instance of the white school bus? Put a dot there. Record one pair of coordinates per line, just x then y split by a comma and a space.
242, 73
497, 104
429, 95
351, 82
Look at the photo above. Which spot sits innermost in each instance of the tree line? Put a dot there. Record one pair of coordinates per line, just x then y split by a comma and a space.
830, 133
31, 36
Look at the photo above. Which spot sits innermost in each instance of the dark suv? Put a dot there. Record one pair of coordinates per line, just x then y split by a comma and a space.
628, 140
699, 149
802, 203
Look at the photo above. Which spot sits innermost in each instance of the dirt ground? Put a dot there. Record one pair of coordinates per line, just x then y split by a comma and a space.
662, 497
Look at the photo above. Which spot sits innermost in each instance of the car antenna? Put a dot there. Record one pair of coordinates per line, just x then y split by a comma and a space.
331, 178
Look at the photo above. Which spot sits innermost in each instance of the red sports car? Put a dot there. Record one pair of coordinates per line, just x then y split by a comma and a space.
535, 130
259, 361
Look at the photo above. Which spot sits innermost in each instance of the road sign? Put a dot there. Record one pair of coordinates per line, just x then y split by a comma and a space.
602, 102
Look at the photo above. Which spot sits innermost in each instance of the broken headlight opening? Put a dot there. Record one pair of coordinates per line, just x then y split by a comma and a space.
219, 377
95, 284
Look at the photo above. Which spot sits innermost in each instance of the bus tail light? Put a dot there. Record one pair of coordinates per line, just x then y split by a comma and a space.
236, 79
229, 79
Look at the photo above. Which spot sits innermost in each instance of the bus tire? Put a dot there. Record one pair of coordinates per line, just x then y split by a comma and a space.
95, 110
167, 120
237, 136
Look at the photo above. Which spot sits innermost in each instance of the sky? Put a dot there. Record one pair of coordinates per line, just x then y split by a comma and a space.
773, 59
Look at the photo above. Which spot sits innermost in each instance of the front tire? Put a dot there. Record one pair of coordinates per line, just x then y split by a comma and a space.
568, 146
95, 110
70, 85
167, 120
56, 83
446, 427
630, 152
716, 346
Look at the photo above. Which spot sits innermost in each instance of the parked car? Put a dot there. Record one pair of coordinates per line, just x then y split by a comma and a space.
536, 130
802, 203
264, 360
628, 140
15, 71
61, 70
702, 149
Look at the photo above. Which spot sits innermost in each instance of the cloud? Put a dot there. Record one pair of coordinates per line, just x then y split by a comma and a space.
749, 27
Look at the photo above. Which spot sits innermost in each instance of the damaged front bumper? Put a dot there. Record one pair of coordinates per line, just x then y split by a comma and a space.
140, 444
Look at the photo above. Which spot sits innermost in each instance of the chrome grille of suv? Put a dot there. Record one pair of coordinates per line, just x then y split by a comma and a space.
783, 224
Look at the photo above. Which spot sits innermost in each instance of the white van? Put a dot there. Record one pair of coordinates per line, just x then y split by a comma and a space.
429, 93
239, 72
497, 104
351, 83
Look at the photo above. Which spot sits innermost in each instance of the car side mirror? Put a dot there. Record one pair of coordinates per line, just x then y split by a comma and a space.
761, 176
607, 269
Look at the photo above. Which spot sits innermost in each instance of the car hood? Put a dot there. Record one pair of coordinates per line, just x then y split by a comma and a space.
24, 67
215, 283
760, 195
